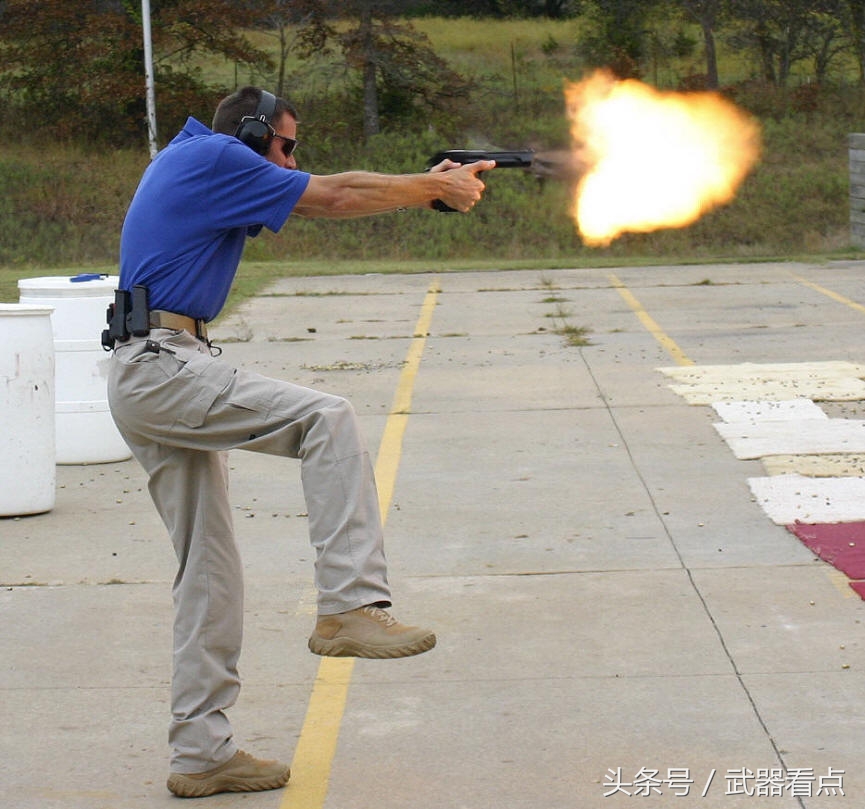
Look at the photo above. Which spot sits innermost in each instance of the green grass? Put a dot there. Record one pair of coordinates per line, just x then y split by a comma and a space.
483, 49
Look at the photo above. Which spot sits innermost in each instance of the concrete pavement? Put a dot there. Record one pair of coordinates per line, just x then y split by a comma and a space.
619, 620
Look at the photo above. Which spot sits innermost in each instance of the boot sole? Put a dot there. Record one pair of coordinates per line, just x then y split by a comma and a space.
346, 647
185, 787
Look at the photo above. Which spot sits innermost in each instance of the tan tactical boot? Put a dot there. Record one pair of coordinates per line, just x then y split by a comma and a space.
242, 773
368, 632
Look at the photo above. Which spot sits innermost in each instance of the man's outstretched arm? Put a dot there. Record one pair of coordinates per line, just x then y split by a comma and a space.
362, 193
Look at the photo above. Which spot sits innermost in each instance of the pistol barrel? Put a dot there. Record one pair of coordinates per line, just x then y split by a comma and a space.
518, 159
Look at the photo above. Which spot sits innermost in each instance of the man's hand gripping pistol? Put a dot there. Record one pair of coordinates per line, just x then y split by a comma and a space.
521, 159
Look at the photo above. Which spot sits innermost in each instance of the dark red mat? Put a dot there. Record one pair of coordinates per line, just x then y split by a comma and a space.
841, 544
859, 588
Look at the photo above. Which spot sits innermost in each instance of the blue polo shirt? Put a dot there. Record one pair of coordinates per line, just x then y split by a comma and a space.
186, 226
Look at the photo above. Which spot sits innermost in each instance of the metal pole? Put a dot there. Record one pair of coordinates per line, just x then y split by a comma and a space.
148, 77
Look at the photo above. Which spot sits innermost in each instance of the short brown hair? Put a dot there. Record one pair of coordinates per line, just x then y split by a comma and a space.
244, 102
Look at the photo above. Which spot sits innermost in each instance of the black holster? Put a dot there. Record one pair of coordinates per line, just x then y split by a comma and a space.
128, 316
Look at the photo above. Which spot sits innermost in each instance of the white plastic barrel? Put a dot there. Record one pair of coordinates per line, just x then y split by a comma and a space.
27, 467
85, 430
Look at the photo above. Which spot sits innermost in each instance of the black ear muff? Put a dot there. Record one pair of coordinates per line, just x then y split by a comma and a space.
255, 130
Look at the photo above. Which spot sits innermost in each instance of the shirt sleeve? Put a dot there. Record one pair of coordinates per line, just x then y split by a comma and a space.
257, 193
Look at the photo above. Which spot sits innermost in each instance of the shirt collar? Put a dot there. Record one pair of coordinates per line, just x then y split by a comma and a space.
192, 128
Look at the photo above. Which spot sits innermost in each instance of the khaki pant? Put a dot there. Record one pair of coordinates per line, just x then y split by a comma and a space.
180, 410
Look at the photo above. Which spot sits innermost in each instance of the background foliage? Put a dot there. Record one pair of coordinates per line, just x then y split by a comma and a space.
479, 74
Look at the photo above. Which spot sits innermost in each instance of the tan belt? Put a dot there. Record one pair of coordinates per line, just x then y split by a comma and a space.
160, 319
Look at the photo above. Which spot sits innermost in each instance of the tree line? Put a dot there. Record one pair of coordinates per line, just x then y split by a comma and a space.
79, 65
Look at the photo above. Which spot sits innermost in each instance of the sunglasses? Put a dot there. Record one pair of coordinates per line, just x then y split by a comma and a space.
288, 144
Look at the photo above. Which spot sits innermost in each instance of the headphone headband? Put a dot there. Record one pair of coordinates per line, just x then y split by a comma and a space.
266, 107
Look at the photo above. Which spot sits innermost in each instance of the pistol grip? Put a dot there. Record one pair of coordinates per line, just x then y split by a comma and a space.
438, 205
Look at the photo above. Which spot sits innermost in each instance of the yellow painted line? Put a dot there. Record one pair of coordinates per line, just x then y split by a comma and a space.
667, 343
390, 448
316, 747
830, 294
841, 582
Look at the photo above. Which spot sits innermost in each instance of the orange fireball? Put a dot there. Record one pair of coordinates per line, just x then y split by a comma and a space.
653, 159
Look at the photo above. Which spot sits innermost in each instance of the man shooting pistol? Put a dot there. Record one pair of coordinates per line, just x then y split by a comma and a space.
182, 409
